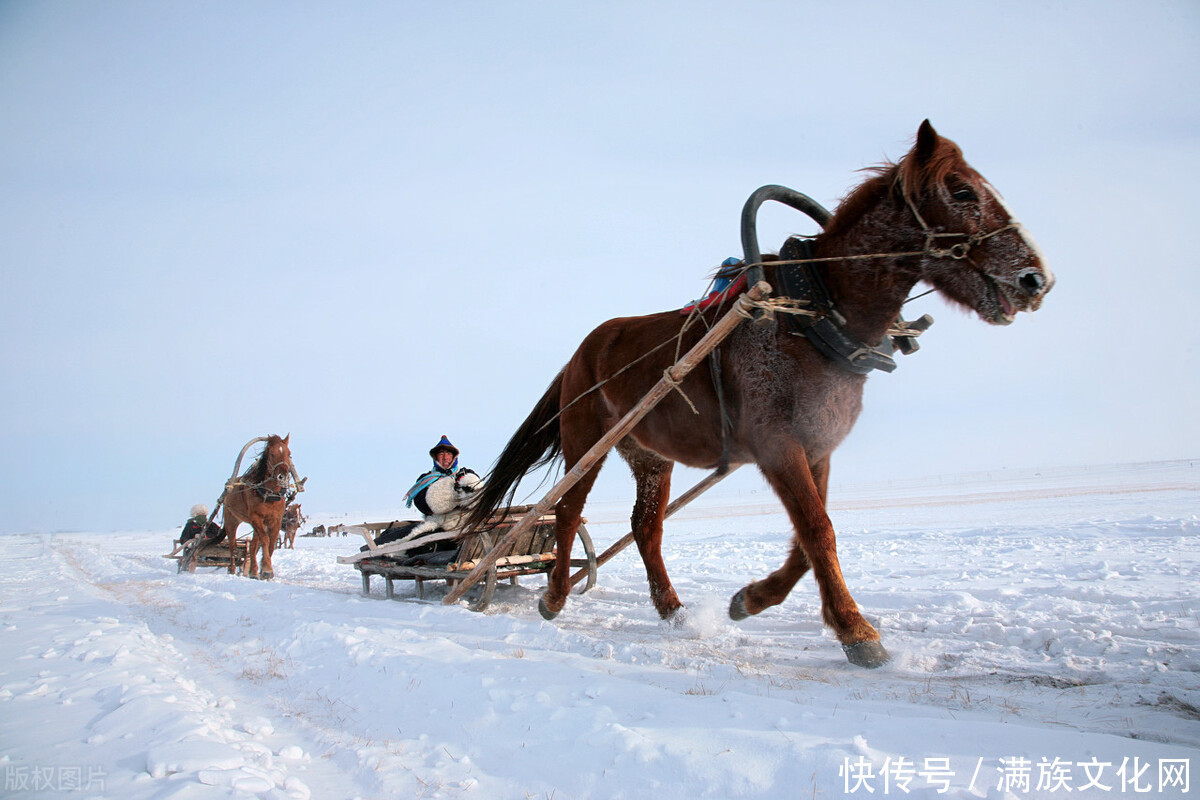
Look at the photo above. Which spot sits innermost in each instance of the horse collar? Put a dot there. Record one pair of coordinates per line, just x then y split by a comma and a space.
271, 497
826, 328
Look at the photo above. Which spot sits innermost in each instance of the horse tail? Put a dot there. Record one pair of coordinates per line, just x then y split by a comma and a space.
535, 444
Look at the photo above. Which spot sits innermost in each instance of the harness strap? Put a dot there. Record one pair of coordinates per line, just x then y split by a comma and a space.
271, 497
824, 329
714, 369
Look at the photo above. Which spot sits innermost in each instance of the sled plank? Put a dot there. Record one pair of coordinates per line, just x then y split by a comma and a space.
392, 548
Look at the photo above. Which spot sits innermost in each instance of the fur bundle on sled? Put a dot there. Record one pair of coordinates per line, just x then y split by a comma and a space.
448, 499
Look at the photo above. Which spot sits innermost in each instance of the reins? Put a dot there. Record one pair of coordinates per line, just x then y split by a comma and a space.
678, 338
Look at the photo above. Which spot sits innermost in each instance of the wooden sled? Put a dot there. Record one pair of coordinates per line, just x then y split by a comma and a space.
531, 553
210, 555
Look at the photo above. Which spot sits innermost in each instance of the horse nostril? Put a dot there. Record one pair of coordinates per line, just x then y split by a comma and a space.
1032, 282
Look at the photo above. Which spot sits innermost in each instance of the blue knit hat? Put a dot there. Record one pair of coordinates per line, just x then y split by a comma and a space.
444, 444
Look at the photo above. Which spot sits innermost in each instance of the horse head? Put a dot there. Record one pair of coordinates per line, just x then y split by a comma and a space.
975, 252
278, 457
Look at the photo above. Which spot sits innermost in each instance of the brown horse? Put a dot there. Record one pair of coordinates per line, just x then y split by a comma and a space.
783, 403
292, 520
259, 497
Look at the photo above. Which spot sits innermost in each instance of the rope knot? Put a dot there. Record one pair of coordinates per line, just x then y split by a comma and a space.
677, 386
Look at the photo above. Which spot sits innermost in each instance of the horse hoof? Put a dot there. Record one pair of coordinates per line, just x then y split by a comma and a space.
737, 606
868, 655
676, 617
266, 576
546, 613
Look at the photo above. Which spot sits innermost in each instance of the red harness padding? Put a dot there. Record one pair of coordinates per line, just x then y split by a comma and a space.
714, 298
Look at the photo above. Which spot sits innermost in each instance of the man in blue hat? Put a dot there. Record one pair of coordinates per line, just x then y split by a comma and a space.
445, 465
445, 462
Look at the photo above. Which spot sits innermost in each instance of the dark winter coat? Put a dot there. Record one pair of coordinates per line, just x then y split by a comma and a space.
212, 531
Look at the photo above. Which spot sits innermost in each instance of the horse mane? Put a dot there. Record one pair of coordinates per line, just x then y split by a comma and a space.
922, 168
862, 198
258, 470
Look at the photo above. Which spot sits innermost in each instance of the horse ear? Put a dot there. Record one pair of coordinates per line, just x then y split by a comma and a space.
286, 438
927, 140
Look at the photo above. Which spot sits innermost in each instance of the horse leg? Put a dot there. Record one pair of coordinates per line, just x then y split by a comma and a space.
781, 582
272, 530
231, 523
653, 477
250, 568
568, 513
820, 475
799, 487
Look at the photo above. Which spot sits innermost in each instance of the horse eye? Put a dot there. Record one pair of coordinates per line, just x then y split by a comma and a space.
964, 195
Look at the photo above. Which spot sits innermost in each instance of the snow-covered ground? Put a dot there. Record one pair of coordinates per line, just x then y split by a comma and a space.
1043, 628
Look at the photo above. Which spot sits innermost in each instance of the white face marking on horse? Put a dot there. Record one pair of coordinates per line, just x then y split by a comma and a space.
1025, 237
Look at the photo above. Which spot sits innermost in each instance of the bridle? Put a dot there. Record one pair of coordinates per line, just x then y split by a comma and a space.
280, 483
281, 477
957, 251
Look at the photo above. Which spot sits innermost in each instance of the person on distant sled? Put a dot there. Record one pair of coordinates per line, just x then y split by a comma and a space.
197, 522
440, 495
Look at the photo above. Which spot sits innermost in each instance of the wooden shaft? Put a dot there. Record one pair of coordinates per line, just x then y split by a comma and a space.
691, 494
670, 380
393, 548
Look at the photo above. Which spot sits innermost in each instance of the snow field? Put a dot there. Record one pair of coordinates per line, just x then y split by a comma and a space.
1037, 644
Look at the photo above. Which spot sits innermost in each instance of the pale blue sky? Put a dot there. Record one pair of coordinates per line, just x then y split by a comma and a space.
371, 224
